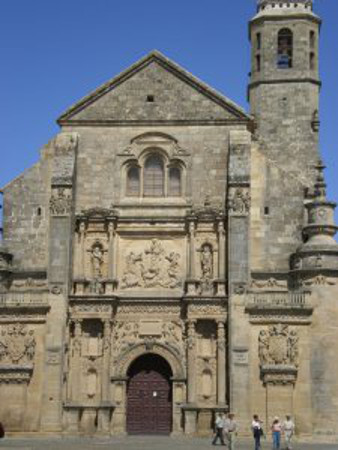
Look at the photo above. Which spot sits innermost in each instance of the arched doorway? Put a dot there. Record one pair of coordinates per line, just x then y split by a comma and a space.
149, 396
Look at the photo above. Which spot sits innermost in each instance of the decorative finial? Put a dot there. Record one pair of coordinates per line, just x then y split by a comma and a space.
320, 185
262, 4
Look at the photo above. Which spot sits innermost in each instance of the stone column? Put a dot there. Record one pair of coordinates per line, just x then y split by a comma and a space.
192, 230
76, 362
105, 391
59, 272
221, 362
238, 240
111, 250
82, 235
191, 358
190, 412
221, 250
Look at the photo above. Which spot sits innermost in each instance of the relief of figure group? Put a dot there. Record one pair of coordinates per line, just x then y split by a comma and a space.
152, 268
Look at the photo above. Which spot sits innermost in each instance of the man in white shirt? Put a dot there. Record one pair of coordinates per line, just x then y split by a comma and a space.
230, 430
288, 428
219, 429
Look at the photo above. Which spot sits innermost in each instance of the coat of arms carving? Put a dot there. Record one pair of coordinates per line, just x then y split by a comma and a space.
17, 345
278, 346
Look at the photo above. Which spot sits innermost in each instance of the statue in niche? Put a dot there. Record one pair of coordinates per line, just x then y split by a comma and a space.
97, 260
206, 267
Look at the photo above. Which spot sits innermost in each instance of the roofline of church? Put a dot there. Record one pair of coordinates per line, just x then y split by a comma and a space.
183, 74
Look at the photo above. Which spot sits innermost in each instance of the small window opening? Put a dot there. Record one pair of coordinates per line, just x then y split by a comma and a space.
312, 61
39, 211
312, 39
285, 49
150, 98
258, 41
258, 63
266, 211
174, 182
133, 182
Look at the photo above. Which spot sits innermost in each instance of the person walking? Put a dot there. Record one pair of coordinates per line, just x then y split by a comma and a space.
257, 431
288, 429
230, 431
219, 429
276, 429
2, 431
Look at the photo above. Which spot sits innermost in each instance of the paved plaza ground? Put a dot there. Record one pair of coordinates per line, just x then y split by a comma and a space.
136, 443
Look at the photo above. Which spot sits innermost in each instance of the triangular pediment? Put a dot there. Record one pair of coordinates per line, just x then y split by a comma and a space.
153, 90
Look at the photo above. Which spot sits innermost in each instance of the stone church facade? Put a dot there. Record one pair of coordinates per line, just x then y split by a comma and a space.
170, 256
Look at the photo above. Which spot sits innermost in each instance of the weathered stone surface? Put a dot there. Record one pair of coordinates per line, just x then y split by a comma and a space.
163, 222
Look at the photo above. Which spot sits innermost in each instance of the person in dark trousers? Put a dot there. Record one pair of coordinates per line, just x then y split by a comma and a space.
219, 429
257, 431
2, 431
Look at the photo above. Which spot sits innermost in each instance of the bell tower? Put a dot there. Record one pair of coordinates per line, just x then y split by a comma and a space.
284, 85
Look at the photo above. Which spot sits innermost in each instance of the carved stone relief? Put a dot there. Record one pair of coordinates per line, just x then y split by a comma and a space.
17, 345
152, 268
126, 334
239, 201
319, 280
206, 261
97, 260
60, 201
66, 143
149, 309
271, 283
29, 283
278, 346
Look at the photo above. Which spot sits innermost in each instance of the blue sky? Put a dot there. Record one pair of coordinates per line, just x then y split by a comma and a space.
55, 52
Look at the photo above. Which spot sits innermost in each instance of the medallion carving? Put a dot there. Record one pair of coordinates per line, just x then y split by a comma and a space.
60, 201
152, 268
239, 201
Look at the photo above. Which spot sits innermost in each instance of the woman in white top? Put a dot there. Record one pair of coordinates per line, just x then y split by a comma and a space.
257, 431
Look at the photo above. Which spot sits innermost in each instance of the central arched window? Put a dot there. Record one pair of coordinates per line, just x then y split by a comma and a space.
153, 178
285, 49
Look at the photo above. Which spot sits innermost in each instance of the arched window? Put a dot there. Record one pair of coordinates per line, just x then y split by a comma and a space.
153, 180
133, 182
285, 48
175, 183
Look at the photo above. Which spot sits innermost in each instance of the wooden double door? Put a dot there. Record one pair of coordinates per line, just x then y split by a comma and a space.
149, 396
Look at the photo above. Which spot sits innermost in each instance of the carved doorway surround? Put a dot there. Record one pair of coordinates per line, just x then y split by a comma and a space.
149, 396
